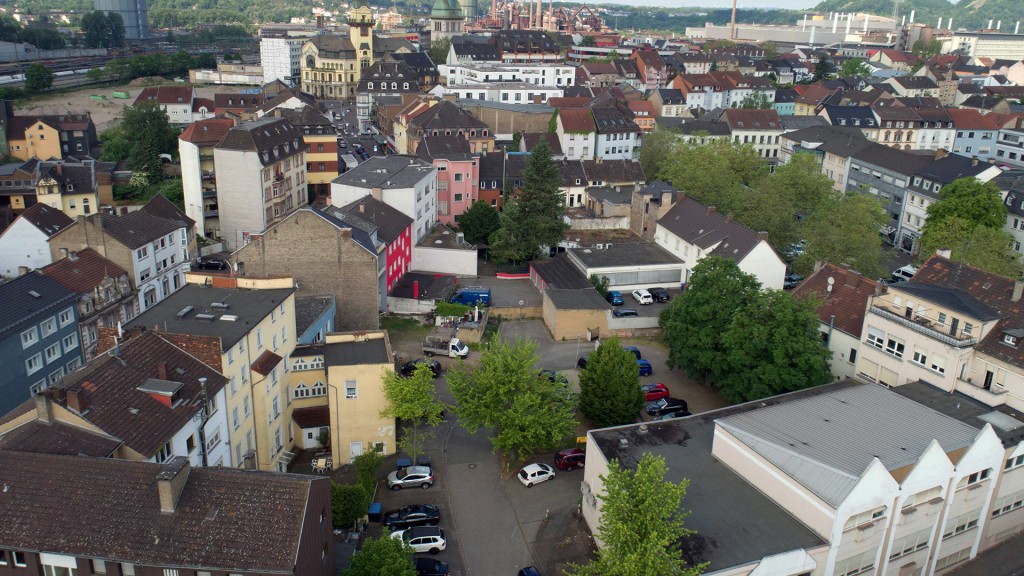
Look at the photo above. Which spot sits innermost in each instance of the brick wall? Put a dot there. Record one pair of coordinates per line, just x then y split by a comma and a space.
85, 234
323, 260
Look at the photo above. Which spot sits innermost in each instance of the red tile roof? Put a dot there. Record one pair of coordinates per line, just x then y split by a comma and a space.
166, 95
970, 119
844, 306
312, 417
577, 120
207, 132
265, 363
83, 272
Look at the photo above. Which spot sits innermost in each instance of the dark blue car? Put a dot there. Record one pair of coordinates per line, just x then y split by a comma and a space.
645, 367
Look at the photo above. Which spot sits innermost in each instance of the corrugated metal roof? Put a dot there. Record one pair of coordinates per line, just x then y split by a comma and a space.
826, 442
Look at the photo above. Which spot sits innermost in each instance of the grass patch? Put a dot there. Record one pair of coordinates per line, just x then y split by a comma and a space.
493, 325
404, 326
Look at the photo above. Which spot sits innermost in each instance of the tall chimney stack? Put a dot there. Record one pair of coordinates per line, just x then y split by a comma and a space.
170, 482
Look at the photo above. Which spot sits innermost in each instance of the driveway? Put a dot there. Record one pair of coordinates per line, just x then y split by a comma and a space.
506, 293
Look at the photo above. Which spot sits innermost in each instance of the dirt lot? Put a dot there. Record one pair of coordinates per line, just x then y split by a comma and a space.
104, 112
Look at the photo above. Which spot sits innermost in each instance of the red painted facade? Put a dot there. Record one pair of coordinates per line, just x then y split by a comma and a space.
397, 257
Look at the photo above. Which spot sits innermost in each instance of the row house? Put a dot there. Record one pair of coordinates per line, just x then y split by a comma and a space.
432, 117
47, 137
421, 66
897, 60
105, 295
458, 175
653, 71
577, 133
833, 146
547, 74
260, 177
24, 245
975, 133
242, 107
1010, 147
383, 79
812, 99
885, 174
898, 127
243, 334
17, 180
38, 336
155, 245
505, 46
925, 187
913, 86
199, 174
937, 131
687, 63
859, 117
180, 518
321, 140
670, 103
614, 73
506, 92
406, 183
390, 228
617, 134
761, 129
721, 89
72, 187
181, 103
500, 171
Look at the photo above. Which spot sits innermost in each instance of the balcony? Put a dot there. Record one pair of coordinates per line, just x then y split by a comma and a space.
209, 174
206, 157
209, 193
925, 327
992, 396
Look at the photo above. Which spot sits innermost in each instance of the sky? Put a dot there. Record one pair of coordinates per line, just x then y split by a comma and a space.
793, 4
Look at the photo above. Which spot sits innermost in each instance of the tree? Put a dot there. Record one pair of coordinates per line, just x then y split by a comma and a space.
610, 386
800, 178
600, 284
439, 50
773, 346
757, 100
977, 202
115, 30
656, 152
854, 67
978, 246
94, 26
533, 218
693, 323
771, 50
382, 556
412, 399
642, 523
349, 503
367, 465
503, 393
142, 135
823, 69
38, 78
845, 230
716, 173
479, 222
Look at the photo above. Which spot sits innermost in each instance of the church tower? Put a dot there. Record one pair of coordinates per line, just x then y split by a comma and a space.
446, 18
360, 29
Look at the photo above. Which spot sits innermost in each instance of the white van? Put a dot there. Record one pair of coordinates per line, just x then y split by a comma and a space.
903, 273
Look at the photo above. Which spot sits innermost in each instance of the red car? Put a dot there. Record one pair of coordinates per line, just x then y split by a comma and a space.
654, 391
570, 458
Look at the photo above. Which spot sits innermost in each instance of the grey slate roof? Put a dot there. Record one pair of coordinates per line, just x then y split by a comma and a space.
898, 161
371, 351
826, 442
951, 298
703, 226
250, 306
390, 222
560, 273
272, 138
138, 228
58, 438
25, 298
48, 220
387, 172
640, 254
308, 309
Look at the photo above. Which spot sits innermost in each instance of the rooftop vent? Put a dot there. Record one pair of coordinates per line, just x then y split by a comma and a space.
209, 317
623, 442
34, 294
223, 305
184, 311
229, 318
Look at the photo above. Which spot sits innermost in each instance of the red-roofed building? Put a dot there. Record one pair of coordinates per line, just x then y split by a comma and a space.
105, 295
577, 133
652, 68
643, 114
177, 101
895, 59
195, 148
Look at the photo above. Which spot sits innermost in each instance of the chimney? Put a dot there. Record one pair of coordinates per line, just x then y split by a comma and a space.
377, 193
711, 209
974, 160
1018, 290
76, 400
728, 217
941, 153
818, 265
852, 278
44, 410
944, 253
362, 208
762, 235
170, 482
161, 370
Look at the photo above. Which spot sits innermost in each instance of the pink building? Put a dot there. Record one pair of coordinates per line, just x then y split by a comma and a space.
458, 174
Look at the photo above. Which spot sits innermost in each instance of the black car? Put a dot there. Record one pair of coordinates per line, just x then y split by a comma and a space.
665, 406
409, 367
659, 294
412, 515
581, 364
206, 263
431, 567
791, 281
624, 313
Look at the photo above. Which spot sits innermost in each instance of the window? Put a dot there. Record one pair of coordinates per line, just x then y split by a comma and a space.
961, 523
142, 253
938, 364
1008, 504
235, 422
66, 317
164, 453
33, 364
3, 558
49, 326
895, 346
19, 559
127, 569
876, 337
170, 572
351, 389
29, 337
1014, 463
920, 356
975, 478
942, 318
968, 328
52, 352
853, 356
910, 543
245, 406
259, 338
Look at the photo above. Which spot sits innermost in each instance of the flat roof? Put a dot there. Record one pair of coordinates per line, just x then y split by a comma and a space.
441, 236
373, 351
640, 254
583, 299
1006, 422
430, 286
245, 309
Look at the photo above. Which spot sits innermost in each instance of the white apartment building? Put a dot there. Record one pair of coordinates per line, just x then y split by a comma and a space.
1010, 147
577, 133
261, 177
505, 92
537, 74
617, 134
405, 183
995, 45
198, 173
281, 59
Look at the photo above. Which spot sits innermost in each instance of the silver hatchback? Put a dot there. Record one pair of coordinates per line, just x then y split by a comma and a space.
411, 476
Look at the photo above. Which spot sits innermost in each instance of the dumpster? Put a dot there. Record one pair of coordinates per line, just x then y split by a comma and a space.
374, 511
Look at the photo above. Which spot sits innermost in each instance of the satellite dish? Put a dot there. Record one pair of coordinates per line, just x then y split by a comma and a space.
831, 281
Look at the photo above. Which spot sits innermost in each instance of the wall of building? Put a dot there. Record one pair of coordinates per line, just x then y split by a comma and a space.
457, 262
22, 244
573, 324
356, 424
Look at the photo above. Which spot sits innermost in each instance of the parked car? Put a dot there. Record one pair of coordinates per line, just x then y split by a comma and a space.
581, 364
423, 538
654, 391
207, 263
671, 415
430, 567
635, 351
411, 515
614, 298
643, 296
645, 367
421, 476
791, 281
903, 273
570, 458
529, 571
409, 367
535, 474
342, 143
659, 294
665, 406
624, 313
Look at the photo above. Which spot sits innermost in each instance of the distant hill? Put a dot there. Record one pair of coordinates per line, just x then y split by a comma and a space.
967, 13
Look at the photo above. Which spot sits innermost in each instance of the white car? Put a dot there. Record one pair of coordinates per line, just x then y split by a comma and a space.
535, 474
422, 538
643, 296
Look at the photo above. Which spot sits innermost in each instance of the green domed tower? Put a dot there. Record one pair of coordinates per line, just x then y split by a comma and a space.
446, 18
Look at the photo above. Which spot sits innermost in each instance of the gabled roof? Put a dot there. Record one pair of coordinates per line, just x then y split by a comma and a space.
706, 228
673, 96
58, 438
860, 116
749, 119
161, 207
390, 222
577, 120
27, 297
284, 96
135, 229
271, 138
334, 43
206, 132
914, 82
83, 273
531, 139
238, 101
612, 171
841, 302
387, 172
446, 115
111, 398
225, 520
613, 121
971, 119
444, 147
165, 95
48, 220
898, 161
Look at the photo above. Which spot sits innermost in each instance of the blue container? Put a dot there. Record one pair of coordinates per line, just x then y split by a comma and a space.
374, 511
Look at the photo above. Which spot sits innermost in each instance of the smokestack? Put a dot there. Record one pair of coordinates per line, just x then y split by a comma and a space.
950, 24
1018, 291
939, 25
999, 25
803, 24
849, 22
912, 12
835, 25
732, 22
1016, 29
990, 24
903, 22
866, 16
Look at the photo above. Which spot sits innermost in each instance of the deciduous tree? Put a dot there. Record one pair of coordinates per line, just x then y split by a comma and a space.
349, 503
845, 229
140, 137
657, 151
978, 246
757, 100
479, 222
38, 78
967, 198
502, 393
439, 50
693, 323
642, 523
772, 346
382, 556
854, 67
716, 173
533, 218
412, 400
610, 385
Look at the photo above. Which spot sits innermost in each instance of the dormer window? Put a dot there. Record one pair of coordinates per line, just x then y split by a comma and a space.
71, 187
1010, 340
